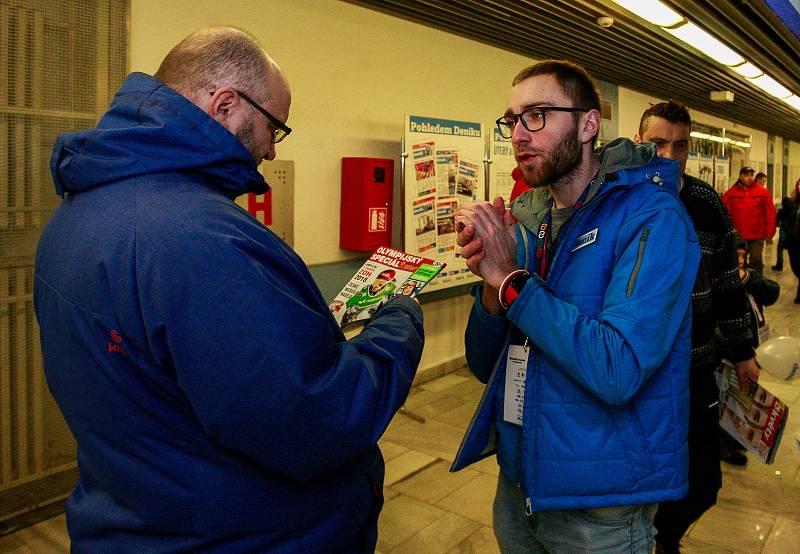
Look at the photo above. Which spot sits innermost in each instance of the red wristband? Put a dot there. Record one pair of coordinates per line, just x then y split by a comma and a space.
508, 292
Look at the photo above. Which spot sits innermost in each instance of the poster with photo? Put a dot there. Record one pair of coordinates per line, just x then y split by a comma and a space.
445, 224
446, 171
706, 170
424, 219
693, 165
444, 167
424, 165
501, 183
722, 174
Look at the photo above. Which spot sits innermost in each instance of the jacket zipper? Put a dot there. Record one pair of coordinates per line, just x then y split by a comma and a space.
564, 232
639, 258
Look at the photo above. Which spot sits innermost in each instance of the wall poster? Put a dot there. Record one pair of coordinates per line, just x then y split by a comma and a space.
706, 171
722, 174
443, 168
693, 165
501, 183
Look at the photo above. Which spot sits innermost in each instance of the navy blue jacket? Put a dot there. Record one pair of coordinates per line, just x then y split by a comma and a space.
216, 404
606, 401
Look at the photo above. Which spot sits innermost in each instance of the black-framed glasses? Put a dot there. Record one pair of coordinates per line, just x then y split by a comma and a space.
279, 129
533, 119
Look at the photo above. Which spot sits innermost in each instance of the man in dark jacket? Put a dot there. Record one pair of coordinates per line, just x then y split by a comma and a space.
718, 299
216, 403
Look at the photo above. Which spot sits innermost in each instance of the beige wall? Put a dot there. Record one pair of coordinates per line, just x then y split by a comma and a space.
794, 153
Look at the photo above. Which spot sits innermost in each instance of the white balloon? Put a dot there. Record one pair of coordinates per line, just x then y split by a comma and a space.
780, 357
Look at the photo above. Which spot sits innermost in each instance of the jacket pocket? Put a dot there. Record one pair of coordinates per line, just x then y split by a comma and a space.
639, 258
634, 441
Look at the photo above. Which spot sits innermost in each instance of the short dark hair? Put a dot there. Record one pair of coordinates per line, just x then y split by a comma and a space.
759, 175
575, 81
672, 111
746, 169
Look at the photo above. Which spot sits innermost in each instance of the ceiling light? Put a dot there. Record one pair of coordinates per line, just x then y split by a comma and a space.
747, 70
696, 37
716, 138
740, 144
721, 95
698, 134
793, 101
653, 11
771, 86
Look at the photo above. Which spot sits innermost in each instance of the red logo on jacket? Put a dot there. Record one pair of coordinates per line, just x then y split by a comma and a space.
115, 344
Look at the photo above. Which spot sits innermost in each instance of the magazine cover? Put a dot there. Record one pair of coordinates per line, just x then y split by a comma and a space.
754, 417
385, 274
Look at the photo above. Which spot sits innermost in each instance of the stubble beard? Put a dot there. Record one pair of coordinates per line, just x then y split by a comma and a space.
555, 169
247, 136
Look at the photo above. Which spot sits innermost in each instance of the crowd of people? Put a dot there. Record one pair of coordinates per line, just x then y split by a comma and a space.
232, 414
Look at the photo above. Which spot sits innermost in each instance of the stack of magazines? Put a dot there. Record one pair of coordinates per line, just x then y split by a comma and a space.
753, 416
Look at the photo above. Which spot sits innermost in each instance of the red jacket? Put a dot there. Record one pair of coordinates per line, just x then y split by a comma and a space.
752, 211
520, 185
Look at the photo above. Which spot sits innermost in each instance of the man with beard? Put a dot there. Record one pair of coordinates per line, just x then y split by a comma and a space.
216, 404
581, 328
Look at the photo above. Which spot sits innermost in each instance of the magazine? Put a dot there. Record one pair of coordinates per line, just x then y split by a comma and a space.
754, 417
385, 274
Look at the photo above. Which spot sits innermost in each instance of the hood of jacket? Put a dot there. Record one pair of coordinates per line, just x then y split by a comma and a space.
150, 128
622, 163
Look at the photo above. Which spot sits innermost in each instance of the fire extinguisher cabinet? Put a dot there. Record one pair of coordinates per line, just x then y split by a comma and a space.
365, 217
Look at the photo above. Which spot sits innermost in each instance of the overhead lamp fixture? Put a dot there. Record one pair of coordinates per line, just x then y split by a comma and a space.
740, 144
747, 70
698, 134
697, 38
793, 101
715, 138
721, 95
771, 86
654, 11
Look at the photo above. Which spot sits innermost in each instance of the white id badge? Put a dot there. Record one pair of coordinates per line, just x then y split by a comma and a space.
516, 370
763, 333
761, 322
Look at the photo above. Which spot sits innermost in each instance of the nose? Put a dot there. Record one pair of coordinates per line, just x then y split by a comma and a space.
271, 153
519, 133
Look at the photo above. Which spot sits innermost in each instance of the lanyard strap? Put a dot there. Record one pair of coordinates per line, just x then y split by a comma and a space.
544, 243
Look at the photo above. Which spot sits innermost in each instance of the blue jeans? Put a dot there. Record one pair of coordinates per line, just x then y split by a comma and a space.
614, 529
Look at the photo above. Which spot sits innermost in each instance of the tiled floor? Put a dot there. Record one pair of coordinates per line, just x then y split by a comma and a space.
430, 510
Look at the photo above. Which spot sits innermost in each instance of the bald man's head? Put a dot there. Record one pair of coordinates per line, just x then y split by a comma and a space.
222, 70
217, 56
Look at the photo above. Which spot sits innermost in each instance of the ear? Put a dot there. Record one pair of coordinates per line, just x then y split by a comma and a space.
591, 125
637, 138
223, 105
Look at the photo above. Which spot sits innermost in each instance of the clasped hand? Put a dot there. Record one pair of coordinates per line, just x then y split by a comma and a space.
487, 239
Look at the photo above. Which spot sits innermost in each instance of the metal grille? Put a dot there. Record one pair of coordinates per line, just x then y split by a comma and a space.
60, 63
